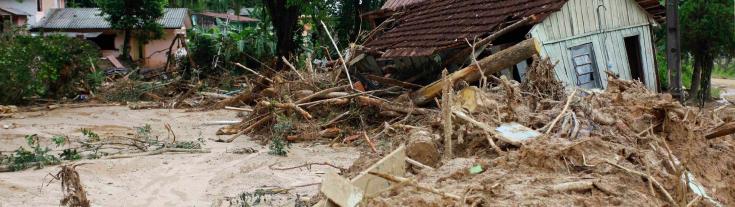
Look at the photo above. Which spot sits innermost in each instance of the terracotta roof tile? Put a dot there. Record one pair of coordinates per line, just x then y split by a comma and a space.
433, 25
395, 4
427, 26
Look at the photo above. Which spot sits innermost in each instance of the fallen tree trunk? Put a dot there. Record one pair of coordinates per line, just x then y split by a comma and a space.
489, 65
723, 130
385, 105
245, 96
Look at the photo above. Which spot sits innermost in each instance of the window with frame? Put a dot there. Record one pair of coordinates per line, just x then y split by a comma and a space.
583, 60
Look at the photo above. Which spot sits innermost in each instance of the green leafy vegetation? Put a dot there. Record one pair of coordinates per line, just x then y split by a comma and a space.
43, 66
134, 18
38, 156
215, 49
707, 35
283, 127
189, 144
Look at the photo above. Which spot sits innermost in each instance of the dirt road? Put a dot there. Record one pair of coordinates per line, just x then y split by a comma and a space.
160, 180
727, 86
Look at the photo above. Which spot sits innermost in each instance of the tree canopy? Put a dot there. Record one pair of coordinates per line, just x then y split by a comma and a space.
134, 15
708, 32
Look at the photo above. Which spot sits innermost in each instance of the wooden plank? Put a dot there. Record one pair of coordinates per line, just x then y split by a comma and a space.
392, 164
340, 191
649, 68
115, 62
578, 23
565, 21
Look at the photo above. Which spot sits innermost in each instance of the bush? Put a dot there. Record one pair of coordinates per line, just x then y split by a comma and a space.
48, 66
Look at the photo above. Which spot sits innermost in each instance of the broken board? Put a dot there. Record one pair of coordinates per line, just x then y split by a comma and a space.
516, 132
392, 164
340, 191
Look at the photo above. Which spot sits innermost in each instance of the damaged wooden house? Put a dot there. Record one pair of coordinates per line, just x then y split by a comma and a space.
414, 40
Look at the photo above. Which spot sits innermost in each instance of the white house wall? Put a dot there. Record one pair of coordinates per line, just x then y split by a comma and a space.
31, 7
576, 24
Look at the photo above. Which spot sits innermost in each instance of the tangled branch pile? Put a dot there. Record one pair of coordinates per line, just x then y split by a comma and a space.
623, 146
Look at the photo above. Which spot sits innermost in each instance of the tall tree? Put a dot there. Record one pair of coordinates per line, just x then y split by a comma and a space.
707, 32
285, 17
137, 16
350, 22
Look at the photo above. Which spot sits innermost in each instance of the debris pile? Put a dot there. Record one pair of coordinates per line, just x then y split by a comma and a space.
530, 143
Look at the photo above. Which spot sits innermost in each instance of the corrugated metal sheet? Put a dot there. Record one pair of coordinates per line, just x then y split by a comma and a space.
91, 18
14, 11
231, 17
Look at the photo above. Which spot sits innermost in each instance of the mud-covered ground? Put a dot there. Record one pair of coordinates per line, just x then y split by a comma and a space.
161, 180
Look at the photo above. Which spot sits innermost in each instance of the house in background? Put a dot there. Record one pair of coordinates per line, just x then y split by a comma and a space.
88, 23
213, 19
21, 12
586, 37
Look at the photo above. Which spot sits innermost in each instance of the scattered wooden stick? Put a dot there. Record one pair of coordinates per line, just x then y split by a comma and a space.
170, 130
695, 201
365, 100
367, 139
308, 165
227, 122
410, 182
158, 152
254, 72
320, 93
238, 109
483, 126
329, 133
563, 111
447, 126
215, 95
292, 68
291, 106
391, 81
573, 186
337, 118
492, 143
650, 179
418, 164
342, 59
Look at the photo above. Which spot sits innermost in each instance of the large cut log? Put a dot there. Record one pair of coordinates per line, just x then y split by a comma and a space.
490, 65
724, 130
421, 147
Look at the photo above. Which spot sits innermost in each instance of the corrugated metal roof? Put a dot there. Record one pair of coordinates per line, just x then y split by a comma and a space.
14, 11
395, 4
91, 18
231, 17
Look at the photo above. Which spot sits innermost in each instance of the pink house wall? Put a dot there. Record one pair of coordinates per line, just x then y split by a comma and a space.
155, 52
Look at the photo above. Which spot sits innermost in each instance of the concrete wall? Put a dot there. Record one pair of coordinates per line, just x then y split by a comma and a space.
155, 52
31, 7
577, 24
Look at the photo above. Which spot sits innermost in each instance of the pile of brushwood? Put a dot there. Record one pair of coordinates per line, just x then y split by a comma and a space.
623, 146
